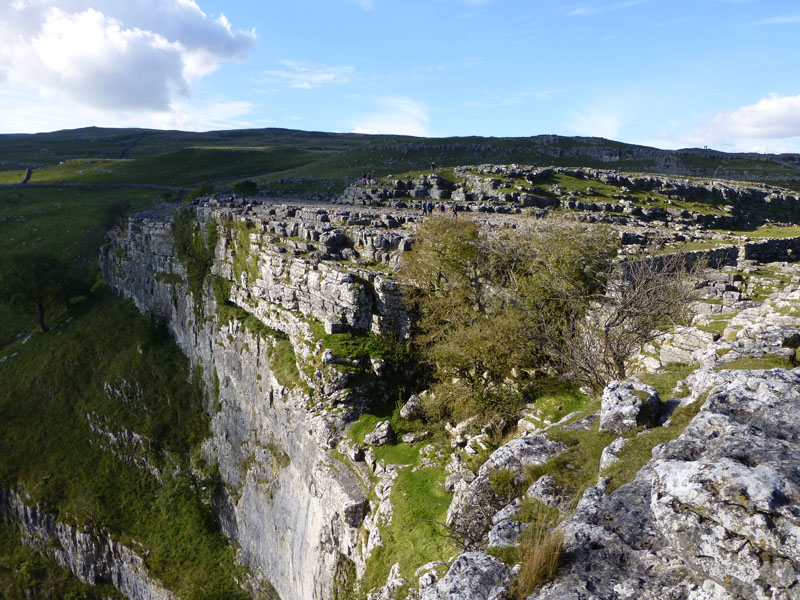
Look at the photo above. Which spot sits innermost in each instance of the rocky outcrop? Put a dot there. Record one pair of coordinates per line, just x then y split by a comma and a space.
627, 404
476, 501
92, 557
473, 575
714, 515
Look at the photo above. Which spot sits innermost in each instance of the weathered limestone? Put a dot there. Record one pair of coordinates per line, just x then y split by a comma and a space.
294, 510
714, 515
627, 404
472, 576
475, 502
93, 558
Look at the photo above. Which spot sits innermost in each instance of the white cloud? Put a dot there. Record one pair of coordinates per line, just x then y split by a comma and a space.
113, 54
774, 117
597, 121
398, 115
770, 125
24, 111
786, 19
595, 9
306, 75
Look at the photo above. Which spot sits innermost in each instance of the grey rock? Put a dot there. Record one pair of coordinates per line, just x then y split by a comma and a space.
506, 533
381, 435
509, 511
393, 583
472, 576
93, 557
715, 514
412, 409
475, 503
546, 490
627, 404
611, 452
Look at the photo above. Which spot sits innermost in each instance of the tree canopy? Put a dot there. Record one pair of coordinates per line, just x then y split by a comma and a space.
494, 307
34, 284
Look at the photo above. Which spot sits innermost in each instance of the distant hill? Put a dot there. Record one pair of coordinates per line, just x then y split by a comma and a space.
180, 158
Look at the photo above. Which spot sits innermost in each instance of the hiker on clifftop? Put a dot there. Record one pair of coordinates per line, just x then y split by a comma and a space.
433, 168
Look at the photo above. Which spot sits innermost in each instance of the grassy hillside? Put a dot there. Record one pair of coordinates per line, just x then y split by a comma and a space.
57, 387
185, 158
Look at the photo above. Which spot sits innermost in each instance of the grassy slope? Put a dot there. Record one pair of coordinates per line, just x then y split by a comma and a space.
66, 222
49, 384
49, 389
185, 167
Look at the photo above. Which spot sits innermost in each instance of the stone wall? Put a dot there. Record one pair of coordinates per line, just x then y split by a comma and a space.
774, 250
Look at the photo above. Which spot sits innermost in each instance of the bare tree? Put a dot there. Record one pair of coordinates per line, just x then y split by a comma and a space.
594, 335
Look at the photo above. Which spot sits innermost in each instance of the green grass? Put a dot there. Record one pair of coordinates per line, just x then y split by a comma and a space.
767, 362
72, 222
358, 343
50, 387
413, 538
283, 363
556, 399
771, 231
716, 326
67, 223
577, 467
12, 176
186, 167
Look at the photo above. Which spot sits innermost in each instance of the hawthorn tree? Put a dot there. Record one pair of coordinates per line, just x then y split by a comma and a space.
493, 305
34, 284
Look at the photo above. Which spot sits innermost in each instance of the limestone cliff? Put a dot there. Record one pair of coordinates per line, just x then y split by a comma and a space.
293, 508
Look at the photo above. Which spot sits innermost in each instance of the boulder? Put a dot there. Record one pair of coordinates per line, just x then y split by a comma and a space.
625, 405
472, 576
546, 491
610, 453
412, 409
381, 435
506, 533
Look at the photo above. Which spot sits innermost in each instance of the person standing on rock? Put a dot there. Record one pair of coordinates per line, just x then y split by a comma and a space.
433, 167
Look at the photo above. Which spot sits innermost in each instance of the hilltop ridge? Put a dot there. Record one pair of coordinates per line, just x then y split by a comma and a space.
328, 155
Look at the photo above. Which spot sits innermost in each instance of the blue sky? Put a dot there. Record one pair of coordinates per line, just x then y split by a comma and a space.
667, 73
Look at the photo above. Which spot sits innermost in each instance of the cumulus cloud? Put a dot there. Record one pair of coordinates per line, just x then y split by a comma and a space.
597, 121
770, 125
299, 74
773, 117
113, 54
398, 115
25, 111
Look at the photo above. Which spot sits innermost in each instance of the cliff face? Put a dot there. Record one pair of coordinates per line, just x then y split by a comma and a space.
293, 507
93, 558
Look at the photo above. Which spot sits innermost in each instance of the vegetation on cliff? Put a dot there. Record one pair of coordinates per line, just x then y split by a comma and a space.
496, 308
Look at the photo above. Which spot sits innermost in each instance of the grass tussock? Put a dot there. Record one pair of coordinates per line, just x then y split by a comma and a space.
540, 556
